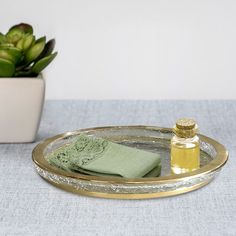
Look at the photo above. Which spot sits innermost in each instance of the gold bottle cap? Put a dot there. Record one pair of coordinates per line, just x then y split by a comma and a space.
185, 128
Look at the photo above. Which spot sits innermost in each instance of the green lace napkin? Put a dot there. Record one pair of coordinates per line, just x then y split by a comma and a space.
97, 156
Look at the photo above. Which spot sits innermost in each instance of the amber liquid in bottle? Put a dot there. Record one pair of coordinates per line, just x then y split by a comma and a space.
185, 149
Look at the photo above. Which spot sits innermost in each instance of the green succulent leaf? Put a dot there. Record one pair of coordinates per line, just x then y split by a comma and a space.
48, 49
7, 68
6, 45
34, 51
26, 73
26, 28
42, 63
20, 44
28, 41
42, 39
11, 53
14, 35
3, 38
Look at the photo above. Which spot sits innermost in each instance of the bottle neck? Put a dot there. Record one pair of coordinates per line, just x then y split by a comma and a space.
184, 133
186, 138
185, 141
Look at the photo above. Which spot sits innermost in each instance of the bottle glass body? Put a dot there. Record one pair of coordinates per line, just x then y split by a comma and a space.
185, 154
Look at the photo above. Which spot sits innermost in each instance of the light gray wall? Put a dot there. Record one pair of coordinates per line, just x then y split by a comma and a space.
149, 49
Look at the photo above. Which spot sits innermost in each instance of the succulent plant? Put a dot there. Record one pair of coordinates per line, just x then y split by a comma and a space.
21, 55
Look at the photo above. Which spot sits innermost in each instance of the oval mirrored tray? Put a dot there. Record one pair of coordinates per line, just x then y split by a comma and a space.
154, 139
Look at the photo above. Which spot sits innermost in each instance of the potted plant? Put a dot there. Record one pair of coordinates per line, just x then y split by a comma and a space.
22, 87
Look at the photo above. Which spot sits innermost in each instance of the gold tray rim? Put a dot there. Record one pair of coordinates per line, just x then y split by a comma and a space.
218, 162
129, 196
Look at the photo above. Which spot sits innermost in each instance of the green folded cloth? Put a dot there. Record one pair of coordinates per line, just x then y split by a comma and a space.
153, 173
97, 156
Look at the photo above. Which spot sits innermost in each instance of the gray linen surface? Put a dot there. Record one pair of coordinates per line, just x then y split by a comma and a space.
31, 206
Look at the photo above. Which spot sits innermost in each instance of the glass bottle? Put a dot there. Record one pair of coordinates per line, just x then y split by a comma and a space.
185, 147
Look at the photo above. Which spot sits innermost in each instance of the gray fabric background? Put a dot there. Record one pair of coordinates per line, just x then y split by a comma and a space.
30, 206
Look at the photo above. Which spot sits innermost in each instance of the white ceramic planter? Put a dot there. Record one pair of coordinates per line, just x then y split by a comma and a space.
21, 104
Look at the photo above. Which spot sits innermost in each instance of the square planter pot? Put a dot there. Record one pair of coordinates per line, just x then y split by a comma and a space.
21, 104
